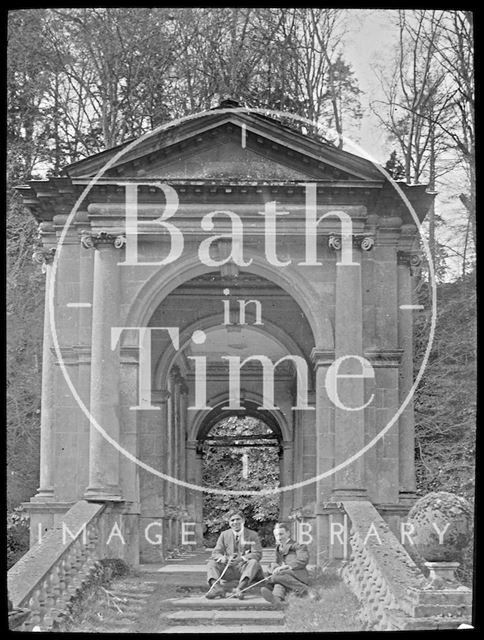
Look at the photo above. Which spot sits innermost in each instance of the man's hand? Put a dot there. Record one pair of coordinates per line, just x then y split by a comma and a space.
282, 567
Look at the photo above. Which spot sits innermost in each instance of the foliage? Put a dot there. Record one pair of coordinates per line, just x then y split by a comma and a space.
17, 535
223, 468
99, 76
445, 401
94, 602
25, 292
337, 610
395, 167
428, 110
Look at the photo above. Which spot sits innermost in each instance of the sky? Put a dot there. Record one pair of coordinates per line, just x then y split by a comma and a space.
371, 33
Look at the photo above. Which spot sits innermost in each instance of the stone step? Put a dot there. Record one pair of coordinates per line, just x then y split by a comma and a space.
183, 568
130, 607
133, 595
187, 568
226, 617
123, 623
197, 604
402, 622
228, 629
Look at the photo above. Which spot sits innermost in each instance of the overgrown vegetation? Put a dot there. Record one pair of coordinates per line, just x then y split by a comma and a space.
336, 610
17, 535
95, 598
445, 401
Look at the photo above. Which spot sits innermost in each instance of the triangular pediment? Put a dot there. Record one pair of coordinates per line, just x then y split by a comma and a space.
222, 159
226, 146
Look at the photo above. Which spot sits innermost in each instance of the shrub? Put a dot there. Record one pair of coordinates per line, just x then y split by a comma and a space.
18, 536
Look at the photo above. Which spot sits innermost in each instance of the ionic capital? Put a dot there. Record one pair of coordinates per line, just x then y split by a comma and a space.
91, 240
412, 259
359, 241
43, 256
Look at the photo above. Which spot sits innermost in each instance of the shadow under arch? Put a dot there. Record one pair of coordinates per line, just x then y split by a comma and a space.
169, 277
214, 321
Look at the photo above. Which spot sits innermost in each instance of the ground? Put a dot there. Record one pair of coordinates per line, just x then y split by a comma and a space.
171, 600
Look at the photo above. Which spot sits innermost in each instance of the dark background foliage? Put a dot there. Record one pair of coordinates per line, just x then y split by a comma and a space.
223, 468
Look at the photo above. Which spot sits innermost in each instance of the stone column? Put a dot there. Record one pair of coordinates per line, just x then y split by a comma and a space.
191, 447
164, 425
385, 473
183, 439
169, 435
105, 364
322, 359
152, 450
406, 432
349, 425
163, 463
84, 358
287, 476
176, 436
176, 459
45, 491
170, 446
195, 498
298, 456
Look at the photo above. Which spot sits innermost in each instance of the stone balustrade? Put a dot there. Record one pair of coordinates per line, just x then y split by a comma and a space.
392, 590
53, 572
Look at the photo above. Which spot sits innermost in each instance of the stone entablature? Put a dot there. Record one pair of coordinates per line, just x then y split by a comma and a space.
45, 201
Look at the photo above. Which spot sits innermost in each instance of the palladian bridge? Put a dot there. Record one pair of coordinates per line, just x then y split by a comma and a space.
169, 262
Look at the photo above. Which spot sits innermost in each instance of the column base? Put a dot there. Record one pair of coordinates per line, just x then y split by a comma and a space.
103, 494
339, 495
44, 516
44, 494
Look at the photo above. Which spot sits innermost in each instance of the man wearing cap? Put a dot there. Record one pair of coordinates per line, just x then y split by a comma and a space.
289, 572
237, 556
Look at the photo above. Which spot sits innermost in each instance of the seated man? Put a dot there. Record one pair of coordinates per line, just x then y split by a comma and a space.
236, 556
289, 571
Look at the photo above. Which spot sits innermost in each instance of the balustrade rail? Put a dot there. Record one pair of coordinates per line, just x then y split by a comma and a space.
380, 572
52, 573
394, 593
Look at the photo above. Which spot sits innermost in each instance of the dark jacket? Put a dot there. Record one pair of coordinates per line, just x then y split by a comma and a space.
295, 556
250, 547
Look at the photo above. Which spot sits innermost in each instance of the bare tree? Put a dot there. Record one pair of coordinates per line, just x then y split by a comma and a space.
417, 110
455, 52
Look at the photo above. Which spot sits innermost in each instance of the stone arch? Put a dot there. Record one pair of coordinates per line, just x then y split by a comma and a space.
277, 333
204, 420
168, 278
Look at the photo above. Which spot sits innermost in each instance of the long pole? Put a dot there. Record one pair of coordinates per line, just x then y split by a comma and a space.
218, 579
249, 587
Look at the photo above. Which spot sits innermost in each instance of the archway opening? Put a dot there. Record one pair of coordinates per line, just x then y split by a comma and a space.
240, 452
